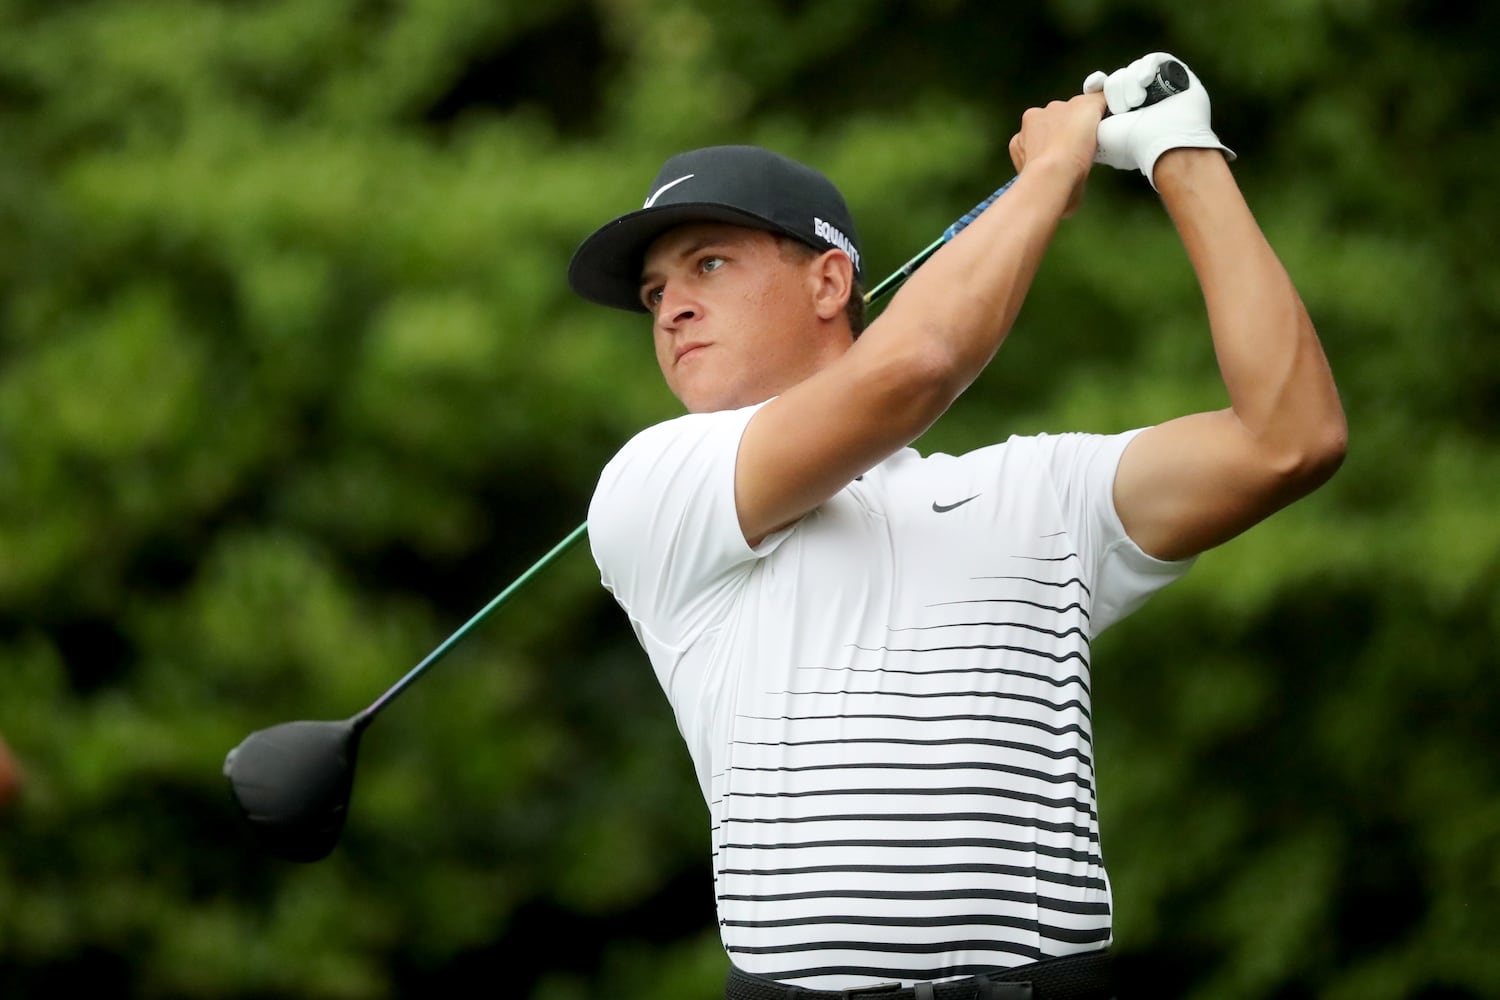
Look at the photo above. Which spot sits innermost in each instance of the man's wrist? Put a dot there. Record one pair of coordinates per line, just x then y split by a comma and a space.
1059, 175
1184, 166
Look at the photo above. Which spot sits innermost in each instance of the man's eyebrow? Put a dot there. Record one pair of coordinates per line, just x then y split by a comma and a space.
697, 246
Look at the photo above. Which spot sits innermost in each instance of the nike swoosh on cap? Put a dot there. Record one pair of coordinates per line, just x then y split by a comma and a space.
940, 508
661, 190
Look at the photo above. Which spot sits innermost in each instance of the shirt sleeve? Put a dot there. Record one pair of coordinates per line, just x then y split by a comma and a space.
664, 529
1082, 469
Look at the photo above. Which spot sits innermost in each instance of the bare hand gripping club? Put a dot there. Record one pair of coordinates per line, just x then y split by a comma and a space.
292, 782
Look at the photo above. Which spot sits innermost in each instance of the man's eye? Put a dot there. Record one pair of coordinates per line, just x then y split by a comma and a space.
652, 297
711, 263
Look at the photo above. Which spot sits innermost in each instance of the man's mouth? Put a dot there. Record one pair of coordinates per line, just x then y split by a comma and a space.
685, 349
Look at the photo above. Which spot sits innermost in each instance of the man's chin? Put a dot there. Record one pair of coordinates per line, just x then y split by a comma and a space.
716, 402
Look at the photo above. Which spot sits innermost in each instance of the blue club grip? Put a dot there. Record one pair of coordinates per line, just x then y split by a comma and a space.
973, 213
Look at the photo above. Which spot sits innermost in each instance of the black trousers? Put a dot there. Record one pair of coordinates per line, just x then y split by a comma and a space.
1085, 976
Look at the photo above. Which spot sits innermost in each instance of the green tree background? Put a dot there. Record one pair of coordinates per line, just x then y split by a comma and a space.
291, 384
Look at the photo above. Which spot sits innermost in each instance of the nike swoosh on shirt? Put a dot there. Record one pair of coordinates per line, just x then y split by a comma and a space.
941, 508
662, 190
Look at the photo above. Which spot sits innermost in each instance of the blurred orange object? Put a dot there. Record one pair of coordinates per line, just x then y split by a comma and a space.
10, 776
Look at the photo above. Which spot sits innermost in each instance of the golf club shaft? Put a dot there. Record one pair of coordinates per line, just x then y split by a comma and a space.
1170, 79
905, 270
364, 718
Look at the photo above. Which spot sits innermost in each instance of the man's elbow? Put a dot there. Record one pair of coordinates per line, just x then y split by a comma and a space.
1329, 445
1316, 457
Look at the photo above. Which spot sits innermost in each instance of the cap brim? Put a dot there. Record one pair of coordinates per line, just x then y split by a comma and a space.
606, 267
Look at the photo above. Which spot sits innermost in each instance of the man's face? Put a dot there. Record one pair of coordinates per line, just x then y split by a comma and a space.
733, 315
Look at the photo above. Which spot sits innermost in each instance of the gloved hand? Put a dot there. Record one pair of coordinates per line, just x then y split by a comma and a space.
1134, 139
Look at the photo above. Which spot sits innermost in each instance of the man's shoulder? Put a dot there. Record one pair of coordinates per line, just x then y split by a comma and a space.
662, 521
1042, 461
654, 435
1015, 447
1042, 445
677, 436
679, 457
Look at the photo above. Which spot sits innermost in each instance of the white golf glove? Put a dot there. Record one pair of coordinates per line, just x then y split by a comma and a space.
1131, 139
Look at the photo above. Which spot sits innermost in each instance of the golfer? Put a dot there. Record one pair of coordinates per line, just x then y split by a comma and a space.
880, 662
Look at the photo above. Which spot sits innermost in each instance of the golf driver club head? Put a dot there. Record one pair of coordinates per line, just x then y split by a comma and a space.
292, 783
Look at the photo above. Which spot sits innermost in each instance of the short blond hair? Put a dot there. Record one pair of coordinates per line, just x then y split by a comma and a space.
854, 310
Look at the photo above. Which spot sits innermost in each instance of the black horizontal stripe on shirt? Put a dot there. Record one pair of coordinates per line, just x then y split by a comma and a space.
876, 947
1029, 628
1020, 871
1093, 935
1010, 920
1064, 609
986, 791
1071, 654
1077, 935
1025, 953
1043, 583
1070, 555
990, 843
1067, 935
1045, 777
1071, 728
1031, 822
1083, 908
956, 741
1057, 682
1010, 696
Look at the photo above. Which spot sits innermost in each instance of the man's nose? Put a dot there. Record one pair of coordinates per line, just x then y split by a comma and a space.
676, 307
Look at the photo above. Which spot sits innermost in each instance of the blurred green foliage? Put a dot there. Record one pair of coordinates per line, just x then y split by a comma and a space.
291, 383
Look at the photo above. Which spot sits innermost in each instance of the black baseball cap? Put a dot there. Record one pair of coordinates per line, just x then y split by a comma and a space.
740, 185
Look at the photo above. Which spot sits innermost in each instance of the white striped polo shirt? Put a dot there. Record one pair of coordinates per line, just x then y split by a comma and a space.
887, 703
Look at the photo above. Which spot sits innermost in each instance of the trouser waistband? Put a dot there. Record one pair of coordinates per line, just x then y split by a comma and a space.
1068, 977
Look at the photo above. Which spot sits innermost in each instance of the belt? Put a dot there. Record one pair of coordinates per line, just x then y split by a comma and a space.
1086, 976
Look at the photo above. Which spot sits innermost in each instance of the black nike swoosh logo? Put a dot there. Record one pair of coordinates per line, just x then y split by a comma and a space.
939, 508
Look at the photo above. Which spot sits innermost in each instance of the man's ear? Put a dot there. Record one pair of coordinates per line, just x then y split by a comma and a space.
831, 275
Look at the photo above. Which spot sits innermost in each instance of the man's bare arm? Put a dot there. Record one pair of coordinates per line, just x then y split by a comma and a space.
933, 340
1187, 485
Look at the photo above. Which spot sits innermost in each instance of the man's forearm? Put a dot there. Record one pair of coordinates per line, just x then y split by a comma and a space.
958, 309
966, 298
1279, 382
936, 336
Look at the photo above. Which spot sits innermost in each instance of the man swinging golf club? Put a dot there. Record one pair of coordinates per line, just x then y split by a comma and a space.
880, 661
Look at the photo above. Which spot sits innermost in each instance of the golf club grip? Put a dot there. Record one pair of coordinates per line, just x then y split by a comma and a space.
1171, 78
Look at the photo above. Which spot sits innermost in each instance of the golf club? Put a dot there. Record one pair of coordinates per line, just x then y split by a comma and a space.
292, 782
